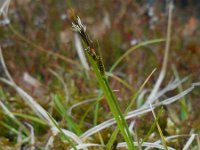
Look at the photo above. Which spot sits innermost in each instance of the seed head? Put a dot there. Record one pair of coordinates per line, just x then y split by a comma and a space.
78, 26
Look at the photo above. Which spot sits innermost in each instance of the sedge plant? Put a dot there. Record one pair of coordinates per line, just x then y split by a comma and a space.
98, 67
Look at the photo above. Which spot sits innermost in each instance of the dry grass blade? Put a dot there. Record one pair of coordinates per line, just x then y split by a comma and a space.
27, 98
39, 110
4, 66
145, 144
159, 129
87, 145
141, 97
170, 138
50, 141
10, 114
171, 86
4, 8
137, 112
6, 111
79, 104
79, 49
189, 142
30, 101
67, 95
69, 134
198, 141
32, 137
176, 97
165, 61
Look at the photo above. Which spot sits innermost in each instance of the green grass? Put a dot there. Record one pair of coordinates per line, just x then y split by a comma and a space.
113, 104
98, 67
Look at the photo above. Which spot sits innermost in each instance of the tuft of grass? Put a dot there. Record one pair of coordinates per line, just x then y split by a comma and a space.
98, 67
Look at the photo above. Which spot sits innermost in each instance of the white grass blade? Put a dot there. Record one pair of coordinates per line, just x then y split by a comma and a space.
69, 134
156, 87
4, 66
27, 98
165, 61
40, 111
137, 112
171, 86
67, 96
169, 138
196, 84
32, 137
198, 141
141, 97
189, 142
80, 103
144, 144
50, 141
176, 97
19, 138
172, 137
79, 49
6, 111
131, 126
10, 114
4, 7
31, 102
87, 145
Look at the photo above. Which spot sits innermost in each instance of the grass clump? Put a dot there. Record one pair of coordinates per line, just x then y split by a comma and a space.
98, 67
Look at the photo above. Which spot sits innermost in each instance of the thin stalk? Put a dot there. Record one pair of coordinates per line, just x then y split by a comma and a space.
166, 55
130, 50
98, 66
114, 106
62, 133
184, 109
116, 131
97, 108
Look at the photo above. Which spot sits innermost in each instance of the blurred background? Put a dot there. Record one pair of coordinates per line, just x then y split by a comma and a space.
116, 25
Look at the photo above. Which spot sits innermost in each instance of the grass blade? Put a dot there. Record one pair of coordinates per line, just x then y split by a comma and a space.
98, 67
130, 50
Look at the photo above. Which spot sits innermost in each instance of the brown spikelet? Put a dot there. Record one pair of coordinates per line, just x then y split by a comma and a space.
101, 65
81, 30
